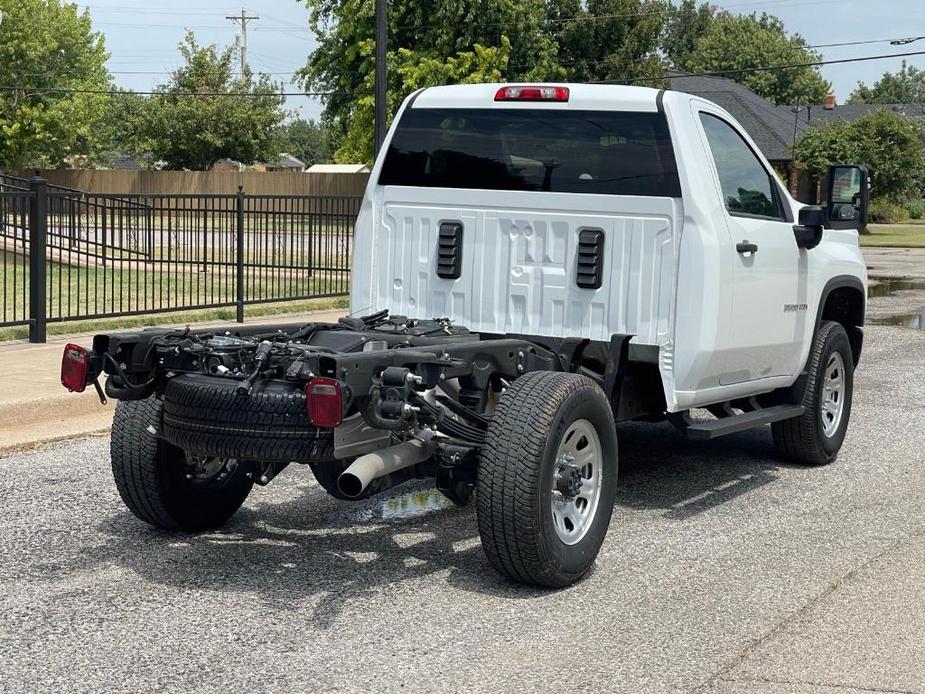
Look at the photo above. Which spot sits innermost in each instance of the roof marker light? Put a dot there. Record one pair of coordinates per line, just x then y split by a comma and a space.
537, 93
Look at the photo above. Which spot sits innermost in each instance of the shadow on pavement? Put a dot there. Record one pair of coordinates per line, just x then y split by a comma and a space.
311, 546
660, 469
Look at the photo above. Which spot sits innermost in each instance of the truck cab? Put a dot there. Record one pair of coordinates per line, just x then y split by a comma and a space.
601, 210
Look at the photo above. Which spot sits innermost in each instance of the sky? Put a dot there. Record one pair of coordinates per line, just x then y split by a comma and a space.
142, 37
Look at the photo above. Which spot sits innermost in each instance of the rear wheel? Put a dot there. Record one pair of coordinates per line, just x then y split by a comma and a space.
547, 478
161, 484
816, 437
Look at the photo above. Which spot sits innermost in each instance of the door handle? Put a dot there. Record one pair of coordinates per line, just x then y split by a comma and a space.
746, 247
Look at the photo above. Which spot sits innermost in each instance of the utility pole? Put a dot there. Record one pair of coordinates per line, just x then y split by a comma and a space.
382, 38
243, 20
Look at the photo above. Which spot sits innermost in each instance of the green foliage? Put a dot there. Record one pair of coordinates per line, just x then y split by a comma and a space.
886, 211
733, 42
473, 37
414, 71
188, 126
603, 40
308, 140
916, 209
684, 25
44, 45
889, 144
907, 86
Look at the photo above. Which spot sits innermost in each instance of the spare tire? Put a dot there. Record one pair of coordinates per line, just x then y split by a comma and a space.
206, 415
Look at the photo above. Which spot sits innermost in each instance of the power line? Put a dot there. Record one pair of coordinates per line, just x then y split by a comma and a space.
293, 70
775, 68
116, 92
717, 73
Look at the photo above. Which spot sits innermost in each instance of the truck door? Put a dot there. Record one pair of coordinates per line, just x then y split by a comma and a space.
768, 282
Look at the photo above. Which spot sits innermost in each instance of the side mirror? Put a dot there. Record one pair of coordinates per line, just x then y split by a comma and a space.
808, 230
848, 197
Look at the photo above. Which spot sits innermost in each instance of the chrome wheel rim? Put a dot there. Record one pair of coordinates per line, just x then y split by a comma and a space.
833, 394
576, 484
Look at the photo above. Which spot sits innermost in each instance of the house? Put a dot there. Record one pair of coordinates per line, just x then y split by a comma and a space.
286, 162
773, 128
820, 115
227, 165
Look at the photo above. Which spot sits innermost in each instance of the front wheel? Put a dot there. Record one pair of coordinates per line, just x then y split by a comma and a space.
547, 479
816, 437
161, 484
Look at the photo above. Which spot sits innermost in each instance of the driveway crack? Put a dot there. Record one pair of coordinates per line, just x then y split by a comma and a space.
827, 685
721, 673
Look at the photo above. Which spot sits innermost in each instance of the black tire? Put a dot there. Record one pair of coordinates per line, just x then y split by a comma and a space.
803, 439
150, 475
517, 467
205, 415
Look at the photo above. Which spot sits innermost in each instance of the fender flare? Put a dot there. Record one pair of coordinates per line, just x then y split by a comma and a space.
842, 282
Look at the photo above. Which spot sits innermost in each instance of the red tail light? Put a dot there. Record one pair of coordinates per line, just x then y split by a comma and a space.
538, 93
325, 402
75, 364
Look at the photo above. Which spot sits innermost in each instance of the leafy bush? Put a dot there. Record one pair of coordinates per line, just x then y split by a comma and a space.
916, 209
889, 144
886, 211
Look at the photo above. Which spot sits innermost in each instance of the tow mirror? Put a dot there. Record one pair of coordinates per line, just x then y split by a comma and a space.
848, 197
808, 231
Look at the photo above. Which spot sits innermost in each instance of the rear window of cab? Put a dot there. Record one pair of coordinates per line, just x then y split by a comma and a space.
524, 149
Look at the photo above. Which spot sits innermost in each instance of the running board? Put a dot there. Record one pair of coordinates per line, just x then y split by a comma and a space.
704, 430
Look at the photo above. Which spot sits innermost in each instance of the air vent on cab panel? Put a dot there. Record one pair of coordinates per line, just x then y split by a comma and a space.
590, 258
449, 250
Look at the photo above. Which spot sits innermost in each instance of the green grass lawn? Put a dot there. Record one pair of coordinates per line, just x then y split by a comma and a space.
85, 291
895, 235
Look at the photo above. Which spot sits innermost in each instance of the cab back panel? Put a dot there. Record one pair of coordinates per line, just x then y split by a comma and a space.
519, 262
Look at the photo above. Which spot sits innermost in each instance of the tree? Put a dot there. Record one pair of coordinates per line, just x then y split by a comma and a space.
609, 40
889, 144
684, 25
47, 50
741, 42
308, 140
504, 39
206, 112
904, 87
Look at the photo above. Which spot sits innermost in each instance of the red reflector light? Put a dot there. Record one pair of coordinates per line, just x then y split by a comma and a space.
538, 93
325, 402
75, 364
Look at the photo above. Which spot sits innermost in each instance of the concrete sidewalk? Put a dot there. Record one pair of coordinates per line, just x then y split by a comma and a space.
37, 409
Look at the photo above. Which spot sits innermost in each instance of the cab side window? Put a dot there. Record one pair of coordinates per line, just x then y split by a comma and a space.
747, 186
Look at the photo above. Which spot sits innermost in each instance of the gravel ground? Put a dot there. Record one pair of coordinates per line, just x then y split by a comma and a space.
724, 571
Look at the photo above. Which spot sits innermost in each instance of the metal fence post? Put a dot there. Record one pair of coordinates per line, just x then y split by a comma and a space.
239, 256
38, 234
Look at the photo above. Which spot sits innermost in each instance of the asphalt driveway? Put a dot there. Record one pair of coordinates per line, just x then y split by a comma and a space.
725, 570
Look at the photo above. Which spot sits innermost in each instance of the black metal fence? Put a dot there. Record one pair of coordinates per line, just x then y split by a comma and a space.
68, 255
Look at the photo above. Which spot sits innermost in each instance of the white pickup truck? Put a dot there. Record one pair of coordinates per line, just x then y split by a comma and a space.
533, 263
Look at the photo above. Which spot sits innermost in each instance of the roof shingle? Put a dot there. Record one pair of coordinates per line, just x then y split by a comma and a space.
770, 126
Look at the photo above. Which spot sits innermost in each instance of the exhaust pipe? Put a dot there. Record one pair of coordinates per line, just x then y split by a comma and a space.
356, 478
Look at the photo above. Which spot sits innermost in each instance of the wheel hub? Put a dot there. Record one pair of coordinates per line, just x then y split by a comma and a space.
568, 480
205, 470
576, 485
